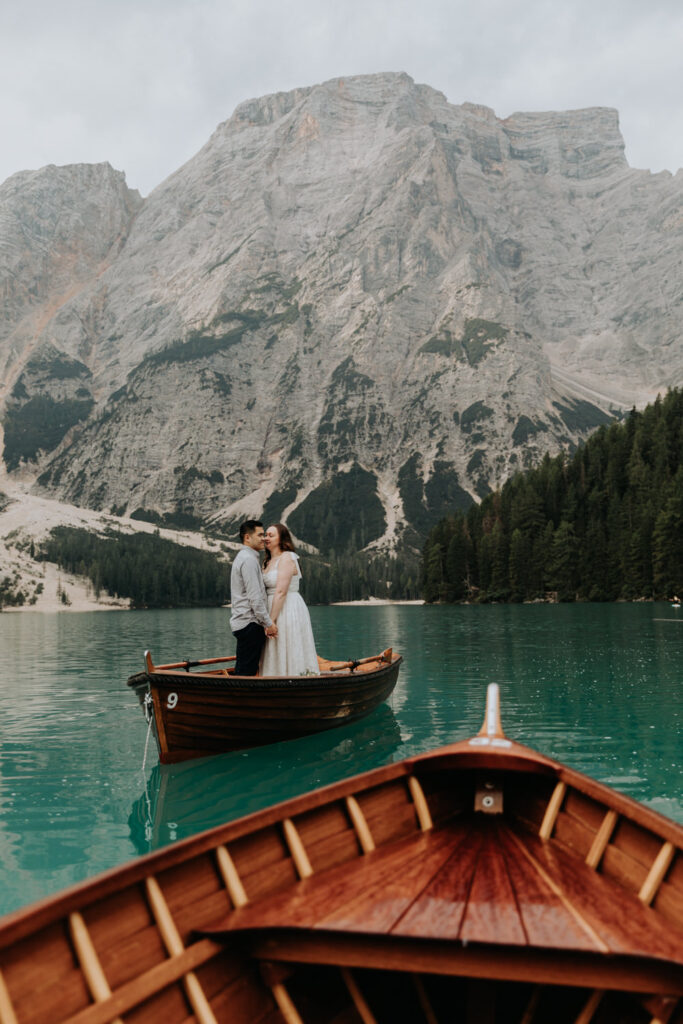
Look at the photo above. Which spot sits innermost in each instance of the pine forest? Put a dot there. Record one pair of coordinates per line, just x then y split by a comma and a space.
604, 524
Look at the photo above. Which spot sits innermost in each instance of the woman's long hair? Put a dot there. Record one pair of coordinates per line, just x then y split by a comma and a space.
285, 539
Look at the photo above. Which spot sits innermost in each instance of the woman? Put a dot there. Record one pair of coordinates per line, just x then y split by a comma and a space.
292, 651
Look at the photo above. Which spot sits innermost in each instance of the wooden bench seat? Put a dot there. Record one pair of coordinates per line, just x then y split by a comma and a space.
478, 892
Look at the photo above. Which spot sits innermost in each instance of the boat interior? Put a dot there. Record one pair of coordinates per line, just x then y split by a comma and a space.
219, 666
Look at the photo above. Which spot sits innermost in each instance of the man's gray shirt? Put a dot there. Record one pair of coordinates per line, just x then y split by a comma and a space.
248, 591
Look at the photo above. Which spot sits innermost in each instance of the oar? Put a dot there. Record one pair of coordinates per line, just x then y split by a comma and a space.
151, 667
384, 656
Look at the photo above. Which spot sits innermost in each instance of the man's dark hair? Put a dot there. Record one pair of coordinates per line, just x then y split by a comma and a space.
248, 527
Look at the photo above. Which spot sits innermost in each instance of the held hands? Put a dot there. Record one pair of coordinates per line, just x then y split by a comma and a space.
271, 631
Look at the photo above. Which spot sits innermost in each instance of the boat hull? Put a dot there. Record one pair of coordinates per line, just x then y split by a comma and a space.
196, 715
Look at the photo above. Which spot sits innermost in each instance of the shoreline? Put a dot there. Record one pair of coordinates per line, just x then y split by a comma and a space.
84, 603
370, 602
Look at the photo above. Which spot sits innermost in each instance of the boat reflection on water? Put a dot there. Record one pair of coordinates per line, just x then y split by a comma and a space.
182, 799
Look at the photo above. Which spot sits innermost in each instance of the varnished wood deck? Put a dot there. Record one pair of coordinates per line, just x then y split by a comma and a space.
472, 884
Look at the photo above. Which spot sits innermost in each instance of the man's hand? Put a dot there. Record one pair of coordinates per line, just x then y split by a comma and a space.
271, 631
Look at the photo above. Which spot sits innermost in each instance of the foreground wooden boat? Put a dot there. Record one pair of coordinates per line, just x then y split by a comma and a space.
212, 710
481, 882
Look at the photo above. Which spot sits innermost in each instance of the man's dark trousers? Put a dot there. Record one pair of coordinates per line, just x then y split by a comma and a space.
250, 641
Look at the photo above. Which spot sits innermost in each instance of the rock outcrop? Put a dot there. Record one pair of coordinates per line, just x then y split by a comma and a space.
358, 306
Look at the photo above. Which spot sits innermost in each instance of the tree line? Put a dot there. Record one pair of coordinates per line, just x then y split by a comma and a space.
156, 573
149, 570
358, 576
602, 525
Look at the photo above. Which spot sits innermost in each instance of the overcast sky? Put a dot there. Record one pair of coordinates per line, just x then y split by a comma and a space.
143, 83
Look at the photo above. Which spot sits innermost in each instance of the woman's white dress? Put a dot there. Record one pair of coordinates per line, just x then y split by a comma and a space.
292, 651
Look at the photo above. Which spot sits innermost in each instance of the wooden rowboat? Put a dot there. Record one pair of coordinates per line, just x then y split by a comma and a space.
481, 882
211, 710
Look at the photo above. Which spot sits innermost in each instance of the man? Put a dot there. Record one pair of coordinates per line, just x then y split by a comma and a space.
250, 621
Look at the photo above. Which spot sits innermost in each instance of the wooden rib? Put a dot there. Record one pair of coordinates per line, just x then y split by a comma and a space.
231, 879
662, 1009
420, 802
422, 996
602, 838
555, 888
665, 1011
89, 961
552, 811
233, 884
656, 874
588, 1012
7, 1014
174, 945
285, 1004
360, 824
359, 1002
532, 1006
297, 849
148, 984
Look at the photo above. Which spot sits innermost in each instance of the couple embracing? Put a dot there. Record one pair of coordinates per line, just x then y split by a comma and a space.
269, 618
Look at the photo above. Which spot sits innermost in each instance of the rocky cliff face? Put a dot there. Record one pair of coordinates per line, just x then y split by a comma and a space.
358, 306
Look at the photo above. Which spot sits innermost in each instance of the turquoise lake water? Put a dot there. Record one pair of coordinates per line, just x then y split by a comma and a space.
596, 686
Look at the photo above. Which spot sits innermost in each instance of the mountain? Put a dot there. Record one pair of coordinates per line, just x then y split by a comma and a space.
356, 307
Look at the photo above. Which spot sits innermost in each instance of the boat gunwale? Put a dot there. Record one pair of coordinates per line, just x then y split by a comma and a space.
229, 682
516, 759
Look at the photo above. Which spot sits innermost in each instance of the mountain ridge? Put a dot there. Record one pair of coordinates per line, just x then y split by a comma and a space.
355, 289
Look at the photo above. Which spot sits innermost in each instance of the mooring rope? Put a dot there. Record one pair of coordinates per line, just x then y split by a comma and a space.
147, 707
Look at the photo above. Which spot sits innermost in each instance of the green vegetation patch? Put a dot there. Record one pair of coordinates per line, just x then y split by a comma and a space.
395, 295
342, 514
218, 383
476, 463
475, 413
277, 503
176, 520
40, 424
443, 492
350, 413
58, 366
411, 489
444, 343
478, 337
476, 470
425, 504
188, 474
526, 428
581, 416
200, 344
152, 572
296, 442
12, 595
346, 378
274, 283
